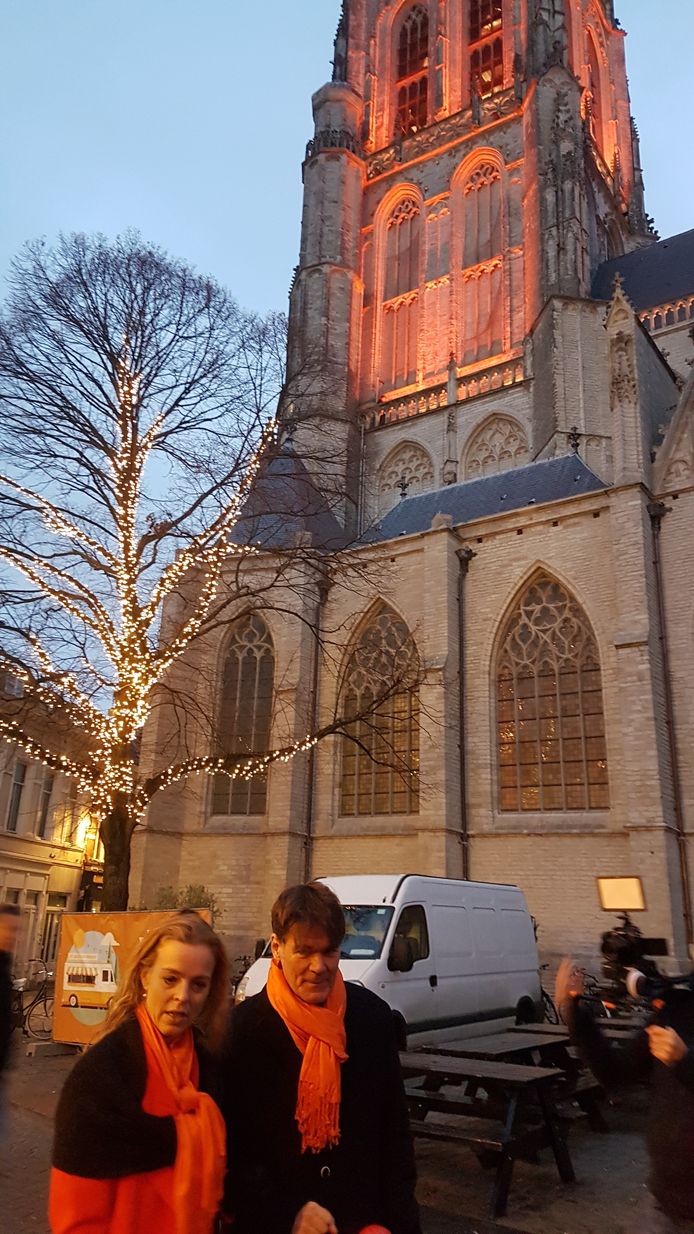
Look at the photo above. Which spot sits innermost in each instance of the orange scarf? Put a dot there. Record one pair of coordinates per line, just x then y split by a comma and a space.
319, 1032
198, 1178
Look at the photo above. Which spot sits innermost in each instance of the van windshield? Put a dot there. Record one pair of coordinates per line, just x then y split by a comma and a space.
367, 926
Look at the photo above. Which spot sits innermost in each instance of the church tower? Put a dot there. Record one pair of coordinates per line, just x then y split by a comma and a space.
487, 344
473, 162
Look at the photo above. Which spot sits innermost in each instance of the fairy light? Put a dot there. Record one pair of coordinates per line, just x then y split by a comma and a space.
105, 769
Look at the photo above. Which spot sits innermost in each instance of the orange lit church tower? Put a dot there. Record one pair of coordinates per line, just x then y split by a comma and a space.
471, 160
490, 376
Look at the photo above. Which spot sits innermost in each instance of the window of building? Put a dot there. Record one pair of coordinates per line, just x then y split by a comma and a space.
486, 47
498, 445
245, 714
45, 794
57, 903
409, 466
550, 721
482, 303
380, 767
412, 81
402, 268
16, 791
10, 685
594, 102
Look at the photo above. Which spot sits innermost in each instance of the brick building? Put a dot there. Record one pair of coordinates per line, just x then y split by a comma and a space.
511, 445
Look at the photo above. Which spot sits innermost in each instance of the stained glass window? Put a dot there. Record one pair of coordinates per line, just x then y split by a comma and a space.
245, 714
380, 767
551, 745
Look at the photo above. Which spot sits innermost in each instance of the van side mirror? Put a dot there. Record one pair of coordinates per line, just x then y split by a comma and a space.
259, 948
401, 955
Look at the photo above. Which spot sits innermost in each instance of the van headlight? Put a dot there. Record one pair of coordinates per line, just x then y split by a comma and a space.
241, 988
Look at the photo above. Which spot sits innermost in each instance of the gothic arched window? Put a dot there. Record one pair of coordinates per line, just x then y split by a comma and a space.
380, 768
409, 466
550, 721
483, 245
402, 266
498, 445
595, 91
412, 73
245, 714
486, 47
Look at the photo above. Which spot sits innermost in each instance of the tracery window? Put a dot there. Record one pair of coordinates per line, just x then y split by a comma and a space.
245, 714
412, 81
486, 46
483, 243
409, 465
595, 92
401, 294
380, 774
497, 446
550, 722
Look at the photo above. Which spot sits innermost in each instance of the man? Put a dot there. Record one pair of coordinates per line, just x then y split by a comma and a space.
319, 1141
663, 1050
9, 929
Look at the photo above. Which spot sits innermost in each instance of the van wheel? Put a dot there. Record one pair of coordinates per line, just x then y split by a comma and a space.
400, 1031
525, 1011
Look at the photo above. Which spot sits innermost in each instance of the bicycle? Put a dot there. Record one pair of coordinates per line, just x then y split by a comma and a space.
35, 1018
239, 968
550, 1015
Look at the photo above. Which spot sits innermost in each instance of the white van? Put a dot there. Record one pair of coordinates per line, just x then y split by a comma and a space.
443, 953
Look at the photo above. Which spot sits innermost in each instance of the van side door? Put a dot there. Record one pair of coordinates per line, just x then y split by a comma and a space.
412, 993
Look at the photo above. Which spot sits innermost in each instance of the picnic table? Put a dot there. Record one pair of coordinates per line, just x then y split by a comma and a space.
502, 1108
578, 1090
550, 1048
614, 1027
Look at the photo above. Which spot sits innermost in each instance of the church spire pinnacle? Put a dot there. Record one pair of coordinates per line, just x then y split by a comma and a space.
341, 44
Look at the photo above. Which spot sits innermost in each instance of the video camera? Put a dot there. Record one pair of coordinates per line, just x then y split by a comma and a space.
625, 968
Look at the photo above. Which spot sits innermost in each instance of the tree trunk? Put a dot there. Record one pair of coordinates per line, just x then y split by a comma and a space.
116, 834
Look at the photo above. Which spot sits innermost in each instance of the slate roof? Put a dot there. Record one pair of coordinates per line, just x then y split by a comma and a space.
653, 275
534, 484
283, 502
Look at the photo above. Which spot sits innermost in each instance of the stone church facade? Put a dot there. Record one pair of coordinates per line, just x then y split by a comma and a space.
510, 427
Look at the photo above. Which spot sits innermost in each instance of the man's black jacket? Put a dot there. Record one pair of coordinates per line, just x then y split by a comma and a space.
670, 1129
369, 1177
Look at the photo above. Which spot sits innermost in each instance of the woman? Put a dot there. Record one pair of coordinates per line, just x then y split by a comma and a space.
139, 1142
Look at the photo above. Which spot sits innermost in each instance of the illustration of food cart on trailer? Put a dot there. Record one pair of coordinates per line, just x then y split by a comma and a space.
90, 973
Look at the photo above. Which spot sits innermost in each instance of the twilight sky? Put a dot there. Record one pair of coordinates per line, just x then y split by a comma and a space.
188, 119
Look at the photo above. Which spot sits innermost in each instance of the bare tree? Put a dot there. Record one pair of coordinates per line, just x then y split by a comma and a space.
136, 432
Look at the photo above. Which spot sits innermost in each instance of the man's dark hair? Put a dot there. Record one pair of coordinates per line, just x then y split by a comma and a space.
309, 904
10, 910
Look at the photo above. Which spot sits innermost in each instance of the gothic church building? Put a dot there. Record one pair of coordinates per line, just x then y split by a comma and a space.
511, 425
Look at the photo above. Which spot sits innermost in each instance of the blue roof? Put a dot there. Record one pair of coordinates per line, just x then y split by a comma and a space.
284, 502
535, 484
657, 274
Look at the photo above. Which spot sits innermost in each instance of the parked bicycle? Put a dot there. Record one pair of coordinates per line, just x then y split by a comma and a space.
550, 1015
239, 968
33, 1011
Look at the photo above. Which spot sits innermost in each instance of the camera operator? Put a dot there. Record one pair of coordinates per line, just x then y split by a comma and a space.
662, 1050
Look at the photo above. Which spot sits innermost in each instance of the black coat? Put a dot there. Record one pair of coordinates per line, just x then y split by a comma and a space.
6, 1024
670, 1128
101, 1130
368, 1177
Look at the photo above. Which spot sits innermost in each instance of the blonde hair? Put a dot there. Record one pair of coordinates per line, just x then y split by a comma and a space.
185, 926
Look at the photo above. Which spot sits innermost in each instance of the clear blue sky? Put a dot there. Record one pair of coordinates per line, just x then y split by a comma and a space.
188, 118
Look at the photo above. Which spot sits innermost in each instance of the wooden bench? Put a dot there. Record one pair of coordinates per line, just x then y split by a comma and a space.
503, 1109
